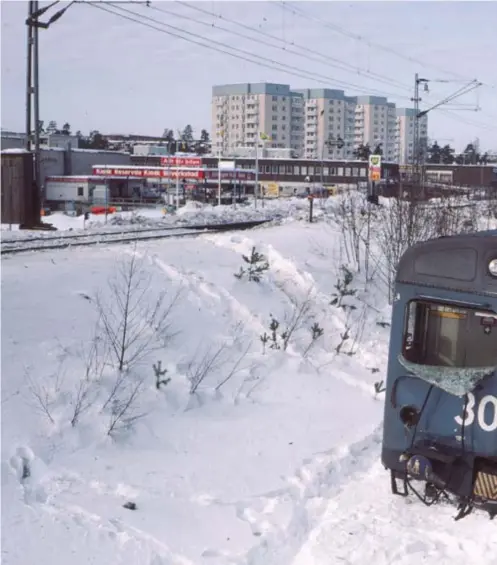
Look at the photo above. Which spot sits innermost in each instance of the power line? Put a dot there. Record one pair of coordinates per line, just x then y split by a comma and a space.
287, 47
265, 61
343, 64
338, 29
232, 52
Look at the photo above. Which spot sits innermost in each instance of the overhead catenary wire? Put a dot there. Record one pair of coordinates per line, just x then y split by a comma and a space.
288, 47
298, 11
242, 53
217, 46
326, 58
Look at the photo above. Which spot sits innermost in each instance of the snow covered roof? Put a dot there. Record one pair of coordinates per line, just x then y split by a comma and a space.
14, 150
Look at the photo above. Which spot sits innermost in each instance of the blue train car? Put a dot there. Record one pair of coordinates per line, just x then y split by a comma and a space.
440, 421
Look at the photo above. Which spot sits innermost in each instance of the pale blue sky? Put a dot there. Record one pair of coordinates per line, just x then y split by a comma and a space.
99, 71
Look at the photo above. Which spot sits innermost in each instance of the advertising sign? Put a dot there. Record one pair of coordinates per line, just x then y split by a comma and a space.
272, 189
375, 168
181, 161
148, 173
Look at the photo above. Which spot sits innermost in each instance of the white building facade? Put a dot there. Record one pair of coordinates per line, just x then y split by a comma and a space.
404, 134
313, 123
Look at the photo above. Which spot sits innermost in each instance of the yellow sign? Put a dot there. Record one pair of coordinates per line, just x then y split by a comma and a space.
272, 189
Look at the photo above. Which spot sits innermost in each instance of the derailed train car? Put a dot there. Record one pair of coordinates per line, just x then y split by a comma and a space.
440, 424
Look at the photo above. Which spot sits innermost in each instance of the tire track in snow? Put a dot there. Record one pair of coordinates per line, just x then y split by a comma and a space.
285, 270
197, 284
360, 524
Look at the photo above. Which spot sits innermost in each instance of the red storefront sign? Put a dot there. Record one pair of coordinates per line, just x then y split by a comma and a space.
148, 173
181, 161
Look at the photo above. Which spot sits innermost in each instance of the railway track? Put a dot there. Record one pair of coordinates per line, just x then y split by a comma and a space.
13, 247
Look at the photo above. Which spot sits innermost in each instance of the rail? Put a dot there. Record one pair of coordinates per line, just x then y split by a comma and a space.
12, 247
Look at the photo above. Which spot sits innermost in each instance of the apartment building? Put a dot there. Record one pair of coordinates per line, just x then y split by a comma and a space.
314, 123
240, 111
404, 134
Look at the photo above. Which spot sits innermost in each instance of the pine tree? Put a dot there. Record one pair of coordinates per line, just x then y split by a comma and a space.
257, 266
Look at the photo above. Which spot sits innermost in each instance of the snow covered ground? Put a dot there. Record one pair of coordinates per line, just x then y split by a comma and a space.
192, 214
273, 460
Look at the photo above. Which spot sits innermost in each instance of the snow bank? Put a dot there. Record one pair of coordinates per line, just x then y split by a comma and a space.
272, 461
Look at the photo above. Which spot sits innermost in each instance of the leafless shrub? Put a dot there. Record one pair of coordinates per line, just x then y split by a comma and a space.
236, 368
204, 364
297, 316
400, 224
43, 395
403, 222
351, 216
85, 394
133, 321
124, 404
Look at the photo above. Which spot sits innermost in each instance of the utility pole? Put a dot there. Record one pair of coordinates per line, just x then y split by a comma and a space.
256, 181
36, 106
418, 149
29, 67
418, 154
33, 24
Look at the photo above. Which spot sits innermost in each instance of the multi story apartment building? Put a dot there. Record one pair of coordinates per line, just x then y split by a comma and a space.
404, 134
314, 123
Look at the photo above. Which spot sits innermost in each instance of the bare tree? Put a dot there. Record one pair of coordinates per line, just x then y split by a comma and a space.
297, 316
236, 367
134, 320
124, 404
45, 396
86, 393
351, 215
204, 364
400, 224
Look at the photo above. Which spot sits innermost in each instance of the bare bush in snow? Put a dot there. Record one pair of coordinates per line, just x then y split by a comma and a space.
85, 394
124, 403
399, 224
297, 316
45, 392
203, 364
134, 320
351, 215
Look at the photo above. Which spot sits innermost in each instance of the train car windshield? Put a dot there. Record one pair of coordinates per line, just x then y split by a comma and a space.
452, 348
445, 336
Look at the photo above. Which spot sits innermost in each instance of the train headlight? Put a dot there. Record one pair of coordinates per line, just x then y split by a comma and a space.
419, 467
492, 267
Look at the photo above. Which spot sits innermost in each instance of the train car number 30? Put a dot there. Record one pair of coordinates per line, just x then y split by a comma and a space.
484, 413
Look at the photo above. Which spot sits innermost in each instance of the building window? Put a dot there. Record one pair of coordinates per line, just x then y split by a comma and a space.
303, 171
81, 191
274, 169
281, 170
326, 171
296, 170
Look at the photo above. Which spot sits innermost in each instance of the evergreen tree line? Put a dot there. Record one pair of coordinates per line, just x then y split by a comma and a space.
446, 155
183, 140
